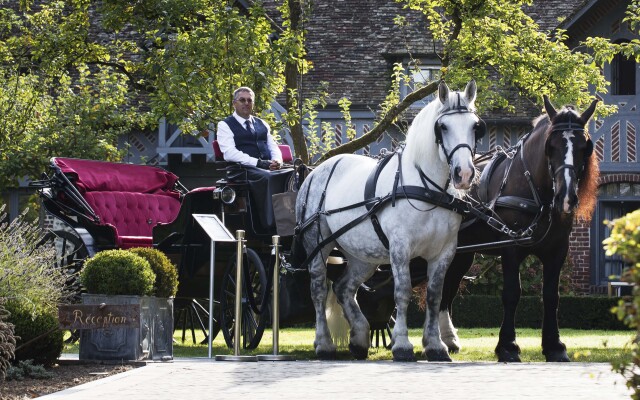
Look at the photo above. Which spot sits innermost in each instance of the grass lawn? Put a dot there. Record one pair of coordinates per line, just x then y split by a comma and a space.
477, 345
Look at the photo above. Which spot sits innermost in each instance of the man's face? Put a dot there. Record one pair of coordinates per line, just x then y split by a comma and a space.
243, 104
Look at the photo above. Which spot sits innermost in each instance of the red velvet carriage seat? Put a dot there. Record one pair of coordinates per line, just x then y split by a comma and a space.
130, 199
287, 156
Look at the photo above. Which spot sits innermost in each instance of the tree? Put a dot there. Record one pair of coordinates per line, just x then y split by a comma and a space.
502, 48
76, 75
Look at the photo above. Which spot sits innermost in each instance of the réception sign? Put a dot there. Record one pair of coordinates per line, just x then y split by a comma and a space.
98, 316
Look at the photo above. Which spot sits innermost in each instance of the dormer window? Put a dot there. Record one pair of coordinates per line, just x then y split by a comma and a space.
623, 74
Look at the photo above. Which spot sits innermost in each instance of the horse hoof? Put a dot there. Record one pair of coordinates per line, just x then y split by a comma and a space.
358, 352
326, 355
403, 355
505, 355
437, 355
453, 349
557, 356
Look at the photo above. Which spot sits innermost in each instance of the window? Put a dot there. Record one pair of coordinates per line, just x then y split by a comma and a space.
421, 75
617, 199
623, 74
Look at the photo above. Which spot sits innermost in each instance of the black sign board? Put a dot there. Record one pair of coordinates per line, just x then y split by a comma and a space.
99, 316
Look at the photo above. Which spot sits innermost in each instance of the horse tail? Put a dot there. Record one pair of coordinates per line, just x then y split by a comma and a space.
338, 325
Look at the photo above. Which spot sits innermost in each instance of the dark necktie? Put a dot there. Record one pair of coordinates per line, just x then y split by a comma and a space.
249, 127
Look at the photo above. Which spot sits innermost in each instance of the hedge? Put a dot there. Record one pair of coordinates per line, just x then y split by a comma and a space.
577, 312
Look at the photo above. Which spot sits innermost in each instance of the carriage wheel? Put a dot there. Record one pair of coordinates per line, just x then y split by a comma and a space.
253, 324
71, 253
192, 314
384, 332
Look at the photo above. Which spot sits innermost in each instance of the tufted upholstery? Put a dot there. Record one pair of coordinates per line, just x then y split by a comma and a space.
130, 199
133, 215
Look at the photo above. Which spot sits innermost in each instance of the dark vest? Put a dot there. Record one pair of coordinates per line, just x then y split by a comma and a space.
254, 145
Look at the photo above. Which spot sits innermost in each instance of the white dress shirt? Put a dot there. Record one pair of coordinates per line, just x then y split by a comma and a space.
228, 144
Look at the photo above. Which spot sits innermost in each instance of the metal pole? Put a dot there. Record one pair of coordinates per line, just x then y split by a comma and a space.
212, 259
276, 292
238, 312
276, 308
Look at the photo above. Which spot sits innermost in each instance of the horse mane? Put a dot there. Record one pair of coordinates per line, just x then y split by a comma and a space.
423, 124
588, 189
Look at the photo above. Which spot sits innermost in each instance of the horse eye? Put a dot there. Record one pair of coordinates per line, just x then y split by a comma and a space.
443, 127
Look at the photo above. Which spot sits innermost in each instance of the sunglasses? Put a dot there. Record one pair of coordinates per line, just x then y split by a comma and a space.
245, 100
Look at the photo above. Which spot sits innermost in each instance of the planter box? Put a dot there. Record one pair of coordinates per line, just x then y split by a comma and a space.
152, 340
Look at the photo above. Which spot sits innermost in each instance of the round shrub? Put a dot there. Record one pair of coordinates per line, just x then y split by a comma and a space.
118, 272
166, 284
29, 324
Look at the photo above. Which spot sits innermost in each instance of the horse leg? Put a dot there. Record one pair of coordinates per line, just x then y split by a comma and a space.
459, 266
507, 349
434, 347
325, 349
552, 348
345, 289
401, 347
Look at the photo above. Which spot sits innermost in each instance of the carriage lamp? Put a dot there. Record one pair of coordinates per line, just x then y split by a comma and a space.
227, 195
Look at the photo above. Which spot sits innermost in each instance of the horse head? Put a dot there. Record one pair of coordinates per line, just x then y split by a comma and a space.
457, 129
568, 149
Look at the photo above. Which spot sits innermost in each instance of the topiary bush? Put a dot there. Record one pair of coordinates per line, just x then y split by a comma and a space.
36, 329
166, 284
625, 242
118, 272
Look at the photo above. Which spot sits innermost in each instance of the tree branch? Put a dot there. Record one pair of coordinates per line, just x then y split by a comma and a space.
384, 123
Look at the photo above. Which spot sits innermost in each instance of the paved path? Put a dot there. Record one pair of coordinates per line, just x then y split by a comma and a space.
196, 379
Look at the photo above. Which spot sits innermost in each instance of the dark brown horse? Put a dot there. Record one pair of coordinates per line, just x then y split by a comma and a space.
531, 192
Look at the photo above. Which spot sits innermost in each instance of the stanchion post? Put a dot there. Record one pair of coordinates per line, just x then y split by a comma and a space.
275, 315
238, 311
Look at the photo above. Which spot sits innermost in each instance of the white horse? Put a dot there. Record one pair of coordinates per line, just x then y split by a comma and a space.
331, 212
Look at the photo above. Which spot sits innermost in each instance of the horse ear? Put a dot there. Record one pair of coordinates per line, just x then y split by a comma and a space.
586, 115
443, 92
470, 91
551, 112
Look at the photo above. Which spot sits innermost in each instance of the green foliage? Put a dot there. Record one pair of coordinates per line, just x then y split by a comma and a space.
625, 242
118, 272
488, 280
166, 284
7, 342
501, 47
59, 93
40, 339
26, 369
27, 265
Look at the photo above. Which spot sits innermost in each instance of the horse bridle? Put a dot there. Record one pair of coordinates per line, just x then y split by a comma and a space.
458, 109
565, 126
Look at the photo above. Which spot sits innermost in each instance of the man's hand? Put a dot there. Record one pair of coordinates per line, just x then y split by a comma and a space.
275, 164
263, 164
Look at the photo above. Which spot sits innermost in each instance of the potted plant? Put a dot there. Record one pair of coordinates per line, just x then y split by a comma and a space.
121, 282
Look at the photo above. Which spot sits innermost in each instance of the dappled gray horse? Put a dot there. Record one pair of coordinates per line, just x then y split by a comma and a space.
389, 212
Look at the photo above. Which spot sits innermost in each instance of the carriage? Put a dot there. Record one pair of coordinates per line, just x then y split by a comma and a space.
105, 205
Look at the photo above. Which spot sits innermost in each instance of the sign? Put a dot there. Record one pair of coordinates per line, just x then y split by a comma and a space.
98, 316
214, 228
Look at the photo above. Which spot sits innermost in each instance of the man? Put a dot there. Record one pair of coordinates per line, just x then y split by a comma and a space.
246, 139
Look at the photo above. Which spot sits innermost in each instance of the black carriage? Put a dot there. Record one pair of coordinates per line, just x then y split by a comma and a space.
112, 205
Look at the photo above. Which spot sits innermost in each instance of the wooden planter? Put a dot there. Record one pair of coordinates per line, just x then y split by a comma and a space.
151, 337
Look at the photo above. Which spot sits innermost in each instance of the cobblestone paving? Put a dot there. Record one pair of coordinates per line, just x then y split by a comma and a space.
196, 379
